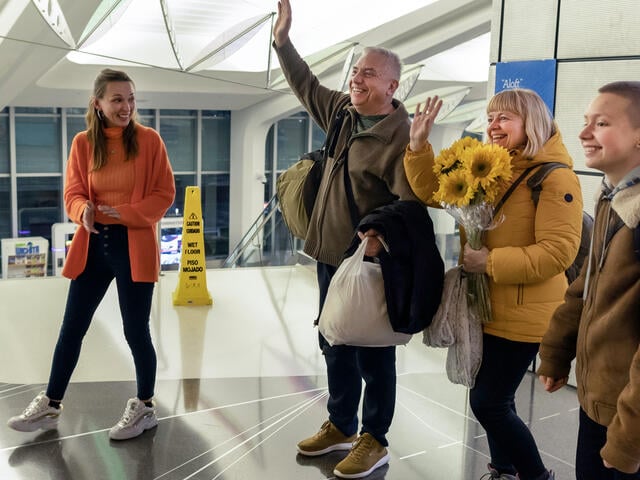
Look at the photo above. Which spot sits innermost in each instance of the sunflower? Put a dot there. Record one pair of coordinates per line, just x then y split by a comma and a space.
456, 188
465, 143
446, 161
490, 166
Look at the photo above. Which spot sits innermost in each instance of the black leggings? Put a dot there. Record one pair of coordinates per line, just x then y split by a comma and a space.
504, 364
108, 258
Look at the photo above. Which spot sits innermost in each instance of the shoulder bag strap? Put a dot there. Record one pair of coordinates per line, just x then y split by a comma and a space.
329, 149
508, 193
333, 133
353, 208
535, 181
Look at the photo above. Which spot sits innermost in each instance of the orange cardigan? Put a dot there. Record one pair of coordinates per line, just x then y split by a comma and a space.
152, 195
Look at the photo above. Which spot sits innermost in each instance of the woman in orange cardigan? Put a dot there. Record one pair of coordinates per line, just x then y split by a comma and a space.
119, 184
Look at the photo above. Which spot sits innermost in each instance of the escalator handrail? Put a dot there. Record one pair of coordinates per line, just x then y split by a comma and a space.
267, 212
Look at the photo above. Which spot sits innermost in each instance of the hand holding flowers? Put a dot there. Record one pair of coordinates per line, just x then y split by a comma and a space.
470, 176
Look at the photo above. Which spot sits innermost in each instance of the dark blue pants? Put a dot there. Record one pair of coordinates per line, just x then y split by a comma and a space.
591, 438
512, 447
347, 366
108, 258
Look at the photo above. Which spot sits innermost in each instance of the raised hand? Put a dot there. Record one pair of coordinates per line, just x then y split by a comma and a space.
283, 23
423, 121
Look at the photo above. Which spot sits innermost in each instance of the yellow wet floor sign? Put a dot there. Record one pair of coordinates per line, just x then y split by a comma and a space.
192, 280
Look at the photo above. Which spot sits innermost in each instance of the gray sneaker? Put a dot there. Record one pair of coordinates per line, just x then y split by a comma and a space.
37, 415
494, 474
137, 418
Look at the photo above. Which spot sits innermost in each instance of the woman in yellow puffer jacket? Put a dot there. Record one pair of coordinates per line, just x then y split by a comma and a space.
524, 257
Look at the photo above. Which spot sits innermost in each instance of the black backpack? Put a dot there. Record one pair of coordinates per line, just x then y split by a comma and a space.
535, 184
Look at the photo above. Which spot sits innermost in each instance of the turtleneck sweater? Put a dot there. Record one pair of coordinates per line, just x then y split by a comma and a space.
113, 183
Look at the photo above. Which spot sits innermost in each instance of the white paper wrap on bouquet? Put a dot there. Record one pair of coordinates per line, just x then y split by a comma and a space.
355, 310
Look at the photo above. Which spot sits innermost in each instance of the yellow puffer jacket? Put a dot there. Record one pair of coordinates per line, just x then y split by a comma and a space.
531, 248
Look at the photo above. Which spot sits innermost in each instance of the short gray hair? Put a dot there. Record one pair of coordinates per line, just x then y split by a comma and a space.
394, 64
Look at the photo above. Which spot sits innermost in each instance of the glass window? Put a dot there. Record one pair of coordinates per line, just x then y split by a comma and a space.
216, 141
292, 140
74, 126
37, 110
317, 137
182, 182
215, 214
177, 113
5, 208
38, 145
147, 117
179, 135
268, 165
4, 143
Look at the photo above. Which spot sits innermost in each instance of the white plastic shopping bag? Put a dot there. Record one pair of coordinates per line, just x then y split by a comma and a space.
355, 310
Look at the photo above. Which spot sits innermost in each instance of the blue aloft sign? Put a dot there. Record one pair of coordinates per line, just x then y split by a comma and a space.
536, 75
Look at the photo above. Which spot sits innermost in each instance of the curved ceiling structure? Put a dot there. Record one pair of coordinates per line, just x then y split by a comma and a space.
217, 55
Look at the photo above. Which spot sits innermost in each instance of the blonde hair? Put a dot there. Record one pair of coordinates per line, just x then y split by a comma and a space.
95, 121
539, 125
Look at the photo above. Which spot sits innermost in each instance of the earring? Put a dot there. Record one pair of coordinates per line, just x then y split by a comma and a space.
99, 114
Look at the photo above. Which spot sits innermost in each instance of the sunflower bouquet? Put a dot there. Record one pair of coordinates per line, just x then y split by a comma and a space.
471, 175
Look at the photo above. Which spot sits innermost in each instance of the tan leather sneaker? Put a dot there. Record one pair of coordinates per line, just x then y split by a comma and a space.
328, 439
365, 456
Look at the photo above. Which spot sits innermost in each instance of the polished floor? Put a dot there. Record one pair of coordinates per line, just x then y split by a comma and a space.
239, 383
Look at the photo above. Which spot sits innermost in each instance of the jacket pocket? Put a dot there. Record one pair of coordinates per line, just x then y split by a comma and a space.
520, 298
547, 291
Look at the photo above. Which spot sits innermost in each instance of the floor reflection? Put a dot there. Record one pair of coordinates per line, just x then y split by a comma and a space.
239, 384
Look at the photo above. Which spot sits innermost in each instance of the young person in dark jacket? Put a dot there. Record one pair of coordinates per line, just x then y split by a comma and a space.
598, 323
374, 133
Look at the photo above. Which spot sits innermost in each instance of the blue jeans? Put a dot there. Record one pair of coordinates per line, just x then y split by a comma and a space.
591, 438
108, 258
347, 366
512, 447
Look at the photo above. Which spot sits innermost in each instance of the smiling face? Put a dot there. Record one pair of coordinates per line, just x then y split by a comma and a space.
372, 85
610, 141
506, 129
117, 104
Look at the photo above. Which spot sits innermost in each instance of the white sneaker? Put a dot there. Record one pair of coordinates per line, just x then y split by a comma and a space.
137, 418
37, 415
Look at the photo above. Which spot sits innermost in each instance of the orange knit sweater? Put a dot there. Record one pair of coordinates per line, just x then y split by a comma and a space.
151, 193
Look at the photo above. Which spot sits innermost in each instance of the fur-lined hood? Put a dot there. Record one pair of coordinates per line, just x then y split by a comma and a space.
626, 203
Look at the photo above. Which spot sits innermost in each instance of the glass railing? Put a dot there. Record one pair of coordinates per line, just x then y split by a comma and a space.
267, 242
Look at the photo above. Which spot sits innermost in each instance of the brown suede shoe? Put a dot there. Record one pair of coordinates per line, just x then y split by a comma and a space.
328, 439
365, 456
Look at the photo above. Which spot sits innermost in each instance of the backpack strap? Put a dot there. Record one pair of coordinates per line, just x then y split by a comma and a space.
535, 181
636, 241
508, 193
331, 139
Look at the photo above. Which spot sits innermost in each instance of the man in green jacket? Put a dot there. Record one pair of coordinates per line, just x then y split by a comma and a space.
374, 134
